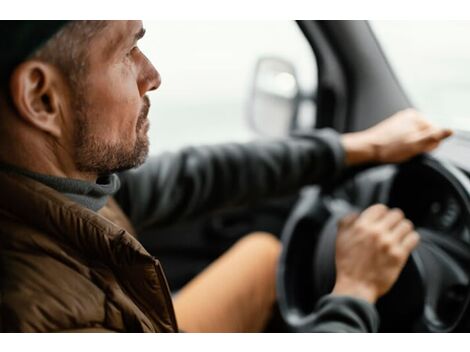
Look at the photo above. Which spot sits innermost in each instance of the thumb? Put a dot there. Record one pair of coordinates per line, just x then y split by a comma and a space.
443, 133
348, 220
430, 139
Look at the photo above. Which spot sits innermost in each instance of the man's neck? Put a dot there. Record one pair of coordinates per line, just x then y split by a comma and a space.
42, 160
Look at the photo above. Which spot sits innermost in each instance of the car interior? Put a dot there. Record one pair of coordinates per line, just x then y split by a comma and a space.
358, 84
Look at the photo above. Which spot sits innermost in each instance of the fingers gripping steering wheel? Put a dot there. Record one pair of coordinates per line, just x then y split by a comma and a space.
433, 291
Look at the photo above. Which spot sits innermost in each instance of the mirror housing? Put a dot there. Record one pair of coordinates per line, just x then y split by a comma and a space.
275, 97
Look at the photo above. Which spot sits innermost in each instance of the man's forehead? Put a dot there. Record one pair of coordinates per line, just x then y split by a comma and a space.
122, 30
119, 34
125, 28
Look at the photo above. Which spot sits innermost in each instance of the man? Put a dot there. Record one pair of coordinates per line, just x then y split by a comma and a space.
73, 113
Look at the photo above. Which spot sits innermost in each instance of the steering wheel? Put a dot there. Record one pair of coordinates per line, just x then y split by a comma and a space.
433, 291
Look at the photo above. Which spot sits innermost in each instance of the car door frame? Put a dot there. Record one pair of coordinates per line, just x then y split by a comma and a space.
356, 85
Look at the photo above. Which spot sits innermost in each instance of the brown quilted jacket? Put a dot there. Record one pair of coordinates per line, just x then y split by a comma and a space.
65, 268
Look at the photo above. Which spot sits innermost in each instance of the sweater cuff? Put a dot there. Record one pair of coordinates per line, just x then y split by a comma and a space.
332, 139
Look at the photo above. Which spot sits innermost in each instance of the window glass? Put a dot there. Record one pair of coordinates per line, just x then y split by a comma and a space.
207, 70
432, 61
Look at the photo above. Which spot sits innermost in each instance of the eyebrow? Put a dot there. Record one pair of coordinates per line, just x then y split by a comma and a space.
139, 34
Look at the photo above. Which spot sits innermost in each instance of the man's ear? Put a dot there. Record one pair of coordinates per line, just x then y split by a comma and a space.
34, 89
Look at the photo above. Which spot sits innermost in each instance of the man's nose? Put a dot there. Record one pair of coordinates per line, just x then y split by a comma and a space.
150, 79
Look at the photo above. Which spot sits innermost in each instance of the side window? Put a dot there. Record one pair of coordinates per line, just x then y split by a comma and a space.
207, 71
432, 60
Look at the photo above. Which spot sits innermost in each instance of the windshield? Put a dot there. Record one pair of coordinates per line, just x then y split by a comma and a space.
432, 62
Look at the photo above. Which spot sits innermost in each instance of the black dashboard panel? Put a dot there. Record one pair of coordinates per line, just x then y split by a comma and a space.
428, 199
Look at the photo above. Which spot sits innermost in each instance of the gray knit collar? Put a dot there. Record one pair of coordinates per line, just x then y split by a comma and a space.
89, 194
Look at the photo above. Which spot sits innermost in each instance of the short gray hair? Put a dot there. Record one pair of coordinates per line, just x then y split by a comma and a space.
68, 48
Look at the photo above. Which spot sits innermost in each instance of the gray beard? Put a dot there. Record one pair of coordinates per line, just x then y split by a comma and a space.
92, 155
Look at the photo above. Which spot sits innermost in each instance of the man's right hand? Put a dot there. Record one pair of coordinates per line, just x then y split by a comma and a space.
371, 251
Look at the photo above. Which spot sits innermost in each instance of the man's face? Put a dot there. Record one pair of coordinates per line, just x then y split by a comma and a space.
109, 105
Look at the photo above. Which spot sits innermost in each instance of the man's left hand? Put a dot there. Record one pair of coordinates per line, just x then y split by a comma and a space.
396, 139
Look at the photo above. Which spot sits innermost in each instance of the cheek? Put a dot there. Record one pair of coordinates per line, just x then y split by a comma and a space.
118, 123
117, 104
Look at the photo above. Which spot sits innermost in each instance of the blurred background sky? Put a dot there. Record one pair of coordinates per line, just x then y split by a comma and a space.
207, 69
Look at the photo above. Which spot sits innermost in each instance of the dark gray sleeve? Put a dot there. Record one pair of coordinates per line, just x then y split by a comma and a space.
345, 314
198, 180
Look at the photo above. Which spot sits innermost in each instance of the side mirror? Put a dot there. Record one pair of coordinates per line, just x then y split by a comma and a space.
275, 97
